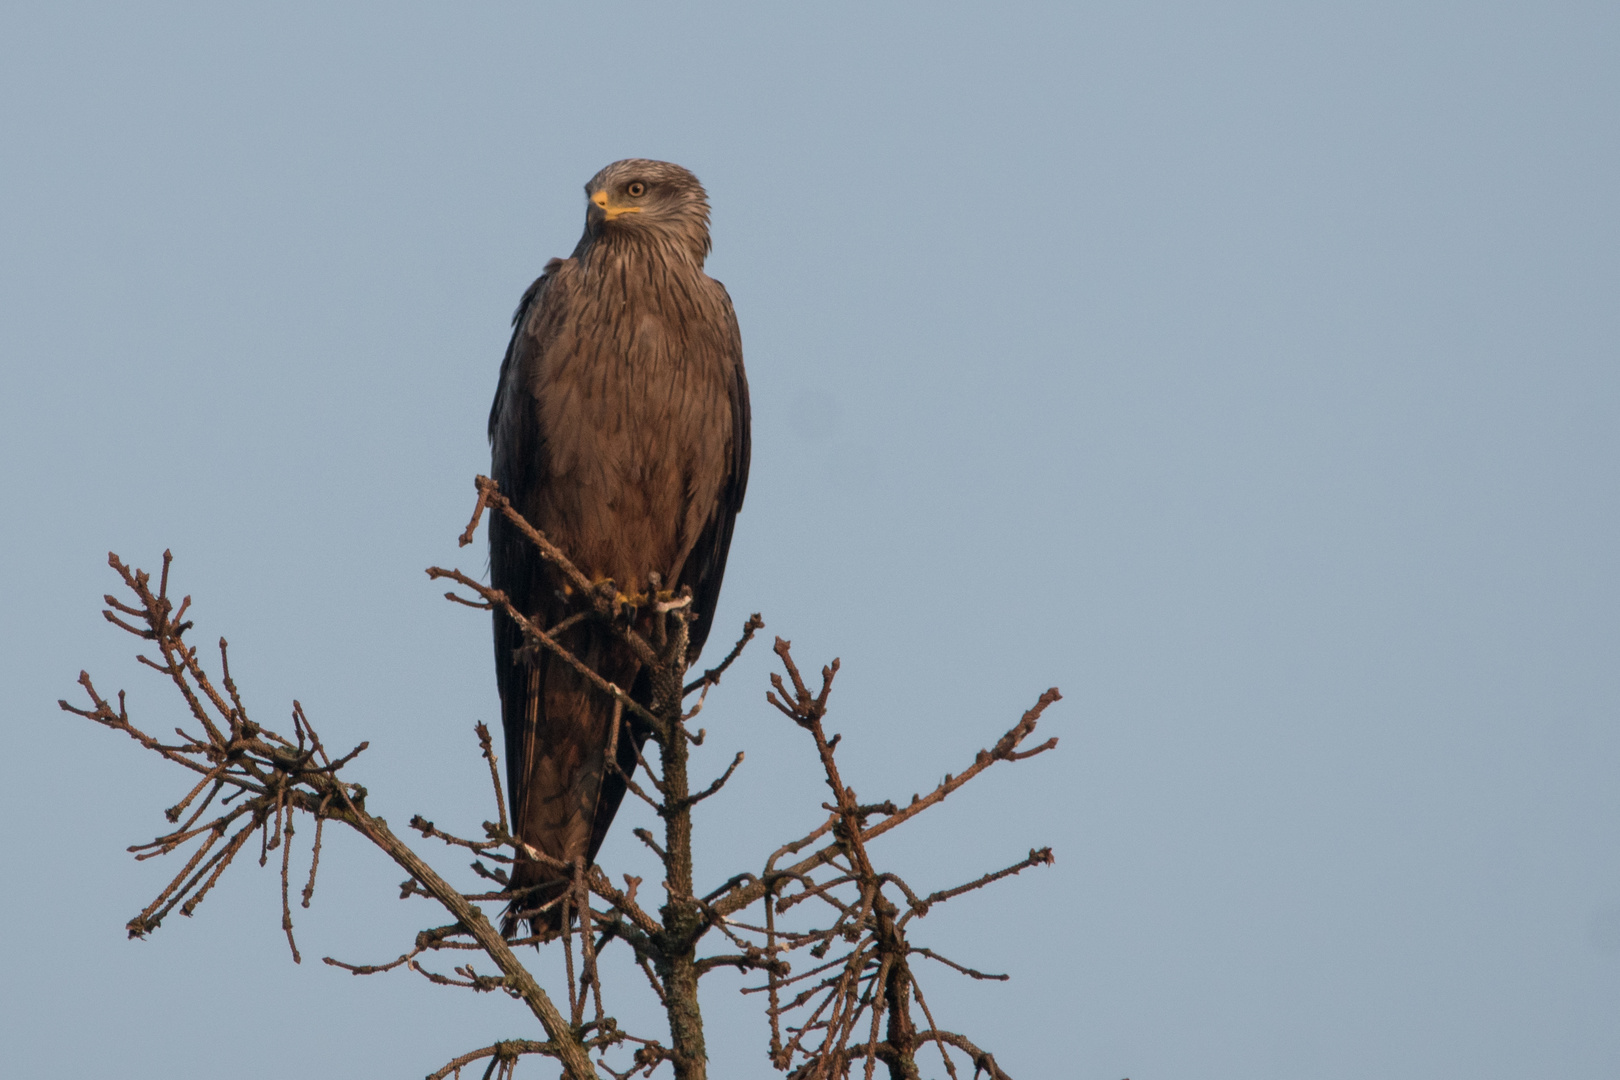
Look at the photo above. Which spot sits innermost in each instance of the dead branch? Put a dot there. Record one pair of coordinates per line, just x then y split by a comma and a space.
1004, 750
505, 1052
276, 777
869, 986
833, 943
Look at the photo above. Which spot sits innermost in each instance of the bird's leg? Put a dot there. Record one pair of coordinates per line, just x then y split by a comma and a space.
608, 602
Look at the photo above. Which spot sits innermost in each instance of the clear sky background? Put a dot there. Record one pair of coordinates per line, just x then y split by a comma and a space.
1249, 372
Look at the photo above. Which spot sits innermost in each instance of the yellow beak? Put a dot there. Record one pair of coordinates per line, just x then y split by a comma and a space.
611, 212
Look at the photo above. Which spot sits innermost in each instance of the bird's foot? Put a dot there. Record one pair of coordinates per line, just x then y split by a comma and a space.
656, 599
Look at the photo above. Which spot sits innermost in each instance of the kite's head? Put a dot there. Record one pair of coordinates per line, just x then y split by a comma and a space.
654, 199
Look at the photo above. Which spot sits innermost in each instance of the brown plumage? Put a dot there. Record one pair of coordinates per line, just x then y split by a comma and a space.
620, 430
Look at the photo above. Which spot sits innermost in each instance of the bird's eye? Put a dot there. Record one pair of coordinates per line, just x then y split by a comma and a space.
636, 189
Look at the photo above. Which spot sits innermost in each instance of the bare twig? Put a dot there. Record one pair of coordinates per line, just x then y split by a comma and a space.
711, 677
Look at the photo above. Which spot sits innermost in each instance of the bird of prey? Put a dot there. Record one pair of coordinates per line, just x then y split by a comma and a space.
620, 430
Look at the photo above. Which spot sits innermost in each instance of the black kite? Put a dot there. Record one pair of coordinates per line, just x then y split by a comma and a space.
620, 430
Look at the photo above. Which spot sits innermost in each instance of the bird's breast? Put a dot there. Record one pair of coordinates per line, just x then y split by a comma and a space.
634, 402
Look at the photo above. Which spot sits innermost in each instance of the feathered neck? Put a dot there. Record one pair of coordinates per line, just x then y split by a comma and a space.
609, 246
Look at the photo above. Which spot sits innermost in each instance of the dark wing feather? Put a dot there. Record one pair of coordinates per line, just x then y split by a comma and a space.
706, 566
520, 319
513, 568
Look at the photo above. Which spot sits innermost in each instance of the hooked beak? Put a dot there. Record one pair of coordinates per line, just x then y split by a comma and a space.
607, 211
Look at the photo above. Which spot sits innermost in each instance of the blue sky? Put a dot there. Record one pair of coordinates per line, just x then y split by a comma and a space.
1249, 372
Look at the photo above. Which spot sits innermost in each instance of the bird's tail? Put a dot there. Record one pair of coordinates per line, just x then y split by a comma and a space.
537, 899
569, 751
